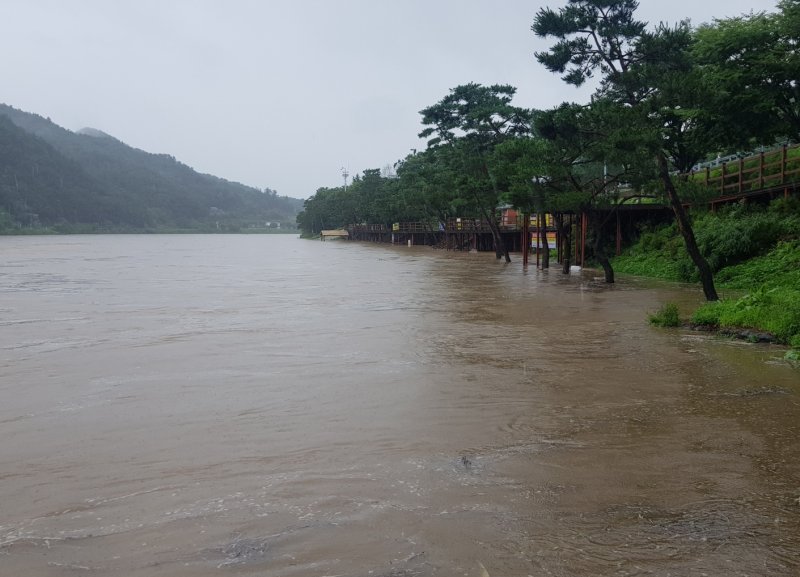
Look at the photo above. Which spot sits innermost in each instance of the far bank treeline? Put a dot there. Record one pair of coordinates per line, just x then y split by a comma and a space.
668, 97
56, 180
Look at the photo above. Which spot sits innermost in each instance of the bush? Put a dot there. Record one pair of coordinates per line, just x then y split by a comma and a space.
707, 315
781, 266
775, 310
666, 316
730, 238
739, 234
786, 206
650, 265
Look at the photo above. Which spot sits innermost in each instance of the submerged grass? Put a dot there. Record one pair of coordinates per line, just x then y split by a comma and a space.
666, 316
753, 250
775, 310
772, 303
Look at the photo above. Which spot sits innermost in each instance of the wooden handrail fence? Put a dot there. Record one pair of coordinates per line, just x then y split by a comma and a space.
767, 173
752, 174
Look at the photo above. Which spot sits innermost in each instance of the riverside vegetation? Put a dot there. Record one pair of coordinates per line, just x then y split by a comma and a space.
669, 98
754, 251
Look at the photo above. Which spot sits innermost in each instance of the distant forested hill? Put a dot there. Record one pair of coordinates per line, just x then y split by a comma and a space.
50, 176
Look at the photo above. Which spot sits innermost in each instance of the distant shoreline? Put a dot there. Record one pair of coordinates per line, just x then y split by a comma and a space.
56, 232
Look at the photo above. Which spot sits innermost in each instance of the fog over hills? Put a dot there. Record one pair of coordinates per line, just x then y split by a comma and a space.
50, 176
87, 131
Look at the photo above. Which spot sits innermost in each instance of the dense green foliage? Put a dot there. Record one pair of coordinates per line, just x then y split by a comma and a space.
753, 61
753, 248
728, 237
368, 198
775, 310
37, 184
57, 179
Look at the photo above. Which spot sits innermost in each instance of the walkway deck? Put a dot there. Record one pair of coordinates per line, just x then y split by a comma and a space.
762, 176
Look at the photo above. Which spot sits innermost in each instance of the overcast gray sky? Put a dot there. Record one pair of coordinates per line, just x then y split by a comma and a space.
279, 93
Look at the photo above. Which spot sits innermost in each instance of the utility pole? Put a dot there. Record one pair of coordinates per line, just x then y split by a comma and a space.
345, 174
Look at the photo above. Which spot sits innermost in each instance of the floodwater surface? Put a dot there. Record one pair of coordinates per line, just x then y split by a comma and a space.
263, 405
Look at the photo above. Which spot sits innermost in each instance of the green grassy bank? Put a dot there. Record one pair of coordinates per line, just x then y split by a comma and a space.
751, 248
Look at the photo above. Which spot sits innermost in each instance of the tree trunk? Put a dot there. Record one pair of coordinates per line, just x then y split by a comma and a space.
500, 248
598, 248
565, 238
685, 228
543, 242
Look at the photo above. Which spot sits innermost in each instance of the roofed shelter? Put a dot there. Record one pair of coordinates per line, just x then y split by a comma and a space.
333, 233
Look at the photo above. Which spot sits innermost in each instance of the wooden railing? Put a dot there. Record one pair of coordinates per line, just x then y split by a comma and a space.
466, 225
764, 171
356, 228
452, 225
414, 227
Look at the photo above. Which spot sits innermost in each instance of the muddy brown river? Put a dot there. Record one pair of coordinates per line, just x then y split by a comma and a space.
263, 405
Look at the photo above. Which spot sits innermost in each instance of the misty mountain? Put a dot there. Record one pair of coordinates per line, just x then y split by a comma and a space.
50, 175
94, 132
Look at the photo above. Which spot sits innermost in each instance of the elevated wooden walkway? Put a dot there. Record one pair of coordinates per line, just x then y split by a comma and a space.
769, 173
757, 177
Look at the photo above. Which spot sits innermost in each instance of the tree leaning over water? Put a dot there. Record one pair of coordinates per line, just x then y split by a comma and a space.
637, 70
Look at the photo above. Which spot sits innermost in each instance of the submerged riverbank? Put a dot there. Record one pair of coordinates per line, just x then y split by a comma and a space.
753, 250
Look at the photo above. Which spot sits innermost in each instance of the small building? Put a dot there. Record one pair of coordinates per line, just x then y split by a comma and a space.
333, 234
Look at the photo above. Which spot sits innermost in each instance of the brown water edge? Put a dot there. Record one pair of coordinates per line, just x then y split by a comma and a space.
474, 419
